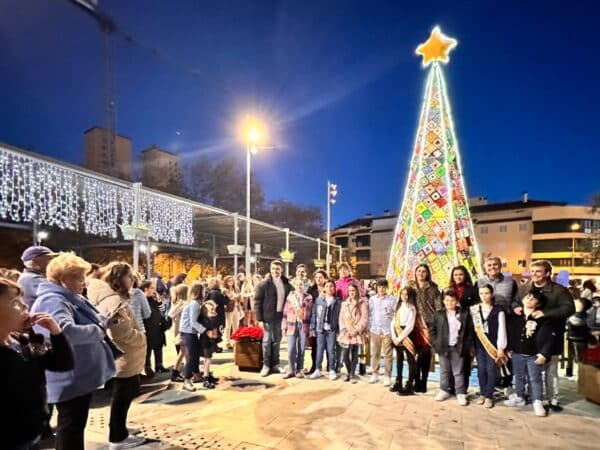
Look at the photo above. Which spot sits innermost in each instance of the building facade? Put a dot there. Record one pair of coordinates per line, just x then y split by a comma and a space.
161, 170
518, 232
100, 158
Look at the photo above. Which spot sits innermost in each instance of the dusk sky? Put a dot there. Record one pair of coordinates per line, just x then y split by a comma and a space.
337, 81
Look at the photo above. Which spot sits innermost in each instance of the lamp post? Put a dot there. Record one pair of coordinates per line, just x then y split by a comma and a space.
331, 199
41, 237
574, 227
252, 137
149, 250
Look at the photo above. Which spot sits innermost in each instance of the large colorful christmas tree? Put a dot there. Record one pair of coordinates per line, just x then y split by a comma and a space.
434, 225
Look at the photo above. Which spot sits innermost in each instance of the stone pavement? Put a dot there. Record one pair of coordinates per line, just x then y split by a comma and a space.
321, 414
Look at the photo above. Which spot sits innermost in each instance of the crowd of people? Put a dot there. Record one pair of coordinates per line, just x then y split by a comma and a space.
68, 327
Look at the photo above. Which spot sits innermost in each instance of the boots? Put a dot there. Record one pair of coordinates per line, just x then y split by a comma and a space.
397, 385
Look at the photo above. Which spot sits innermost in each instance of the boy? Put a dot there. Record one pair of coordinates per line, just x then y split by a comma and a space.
451, 340
324, 324
530, 340
381, 313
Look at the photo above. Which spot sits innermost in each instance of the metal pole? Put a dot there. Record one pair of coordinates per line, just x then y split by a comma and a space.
36, 241
573, 257
137, 188
247, 263
214, 253
235, 242
328, 258
287, 248
318, 248
148, 259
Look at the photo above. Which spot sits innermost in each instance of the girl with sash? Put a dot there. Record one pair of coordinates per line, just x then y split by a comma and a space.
409, 337
489, 323
295, 325
354, 318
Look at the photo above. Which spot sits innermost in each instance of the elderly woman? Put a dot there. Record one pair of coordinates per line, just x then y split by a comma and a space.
113, 300
296, 326
71, 392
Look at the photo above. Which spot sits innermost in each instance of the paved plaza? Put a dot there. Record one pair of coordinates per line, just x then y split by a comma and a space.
243, 413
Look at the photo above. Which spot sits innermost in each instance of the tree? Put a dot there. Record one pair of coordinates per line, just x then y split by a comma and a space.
302, 219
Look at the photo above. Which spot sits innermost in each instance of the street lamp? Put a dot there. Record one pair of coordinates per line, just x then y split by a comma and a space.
253, 135
575, 226
41, 236
149, 251
332, 193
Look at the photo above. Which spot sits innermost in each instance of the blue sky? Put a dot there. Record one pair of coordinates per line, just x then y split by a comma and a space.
337, 80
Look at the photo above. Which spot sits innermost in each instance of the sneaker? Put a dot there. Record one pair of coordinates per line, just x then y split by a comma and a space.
488, 403
264, 371
299, 374
538, 408
176, 376
480, 400
208, 385
128, 442
316, 374
188, 386
197, 378
441, 396
462, 399
514, 401
554, 406
332, 375
396, 387
162, 369
277, 369
213, 380
288, 375
373, 378
347, 379
354, 379
387, 381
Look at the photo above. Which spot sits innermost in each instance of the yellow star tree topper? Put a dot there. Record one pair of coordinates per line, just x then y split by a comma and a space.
436, 48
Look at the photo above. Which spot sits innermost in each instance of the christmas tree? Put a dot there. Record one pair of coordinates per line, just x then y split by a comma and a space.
434, 226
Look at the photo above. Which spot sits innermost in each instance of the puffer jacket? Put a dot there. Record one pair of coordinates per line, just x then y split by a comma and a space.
122, 328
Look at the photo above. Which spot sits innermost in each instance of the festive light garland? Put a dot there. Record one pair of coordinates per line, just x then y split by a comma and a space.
36, 190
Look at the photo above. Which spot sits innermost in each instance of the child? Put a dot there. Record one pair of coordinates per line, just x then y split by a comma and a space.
209, 319
530, 341
23, 358
381, 312
295, 325
450, 331
324, 324
408, 337
489, 324
354, 318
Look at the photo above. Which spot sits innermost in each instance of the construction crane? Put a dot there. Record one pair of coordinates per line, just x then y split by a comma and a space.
109, 104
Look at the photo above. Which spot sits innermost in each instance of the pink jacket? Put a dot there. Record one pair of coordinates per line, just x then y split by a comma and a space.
341, 287
355, 320
290, 315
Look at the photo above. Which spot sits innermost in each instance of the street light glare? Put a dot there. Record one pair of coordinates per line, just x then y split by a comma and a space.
253, 134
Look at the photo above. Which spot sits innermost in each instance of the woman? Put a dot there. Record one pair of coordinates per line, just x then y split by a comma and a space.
155, 325
23, 357
353, 321
214, 293
234, 311
71, 393
247, 295
429, 300
179, 299
113, 300
295, 325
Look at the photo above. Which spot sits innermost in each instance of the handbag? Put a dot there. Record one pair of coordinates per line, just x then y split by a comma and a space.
113, 348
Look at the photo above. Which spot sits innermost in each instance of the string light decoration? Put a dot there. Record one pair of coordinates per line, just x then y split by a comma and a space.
434, 226
32, 189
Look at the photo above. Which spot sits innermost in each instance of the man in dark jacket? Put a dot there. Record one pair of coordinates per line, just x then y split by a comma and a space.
558, 307
269, 300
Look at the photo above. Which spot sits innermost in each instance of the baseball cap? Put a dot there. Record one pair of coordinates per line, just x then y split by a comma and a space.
35, 251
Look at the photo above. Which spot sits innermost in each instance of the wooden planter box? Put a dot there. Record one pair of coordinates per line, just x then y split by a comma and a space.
248, 354
589, 382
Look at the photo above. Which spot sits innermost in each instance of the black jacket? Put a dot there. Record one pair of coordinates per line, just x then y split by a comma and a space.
265, 299
221, 300
439, 332
469, 298
541, 340
23, 384
155, 325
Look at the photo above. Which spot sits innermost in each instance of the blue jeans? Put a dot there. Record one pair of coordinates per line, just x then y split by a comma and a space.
486, 372
296, 347
326, 341
525, 367
270, 344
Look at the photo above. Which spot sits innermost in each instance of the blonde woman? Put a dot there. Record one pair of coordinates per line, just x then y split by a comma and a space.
179, 299
296, 325
234, 310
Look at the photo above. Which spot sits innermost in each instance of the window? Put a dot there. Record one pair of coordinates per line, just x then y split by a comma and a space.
561, 245
564, 226
363, 241
522, 227
363, 255
343, 241
483, 230
502, 228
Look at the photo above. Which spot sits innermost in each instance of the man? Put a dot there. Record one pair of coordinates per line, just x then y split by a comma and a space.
269, 301
558, 307
35, 259
381, 313
505, 288
316, 290
301, 273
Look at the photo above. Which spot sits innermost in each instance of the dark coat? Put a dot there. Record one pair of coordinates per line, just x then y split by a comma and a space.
24, 388
541, 341
469, 298
265, 299
221, 300
320, 310
155, 325
439, 332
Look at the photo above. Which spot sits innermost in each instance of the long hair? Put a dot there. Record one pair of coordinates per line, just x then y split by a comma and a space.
196, 291
113, 274
181, 293
426, 267
412, 296
226, 281
463, 269
179, 278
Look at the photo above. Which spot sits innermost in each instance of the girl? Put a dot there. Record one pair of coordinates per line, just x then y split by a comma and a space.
324, 324
247, 295
295, 324
179, 299
23, 358
190, 329
490, 342
409, 338
234, 311
353, 321
209, 320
